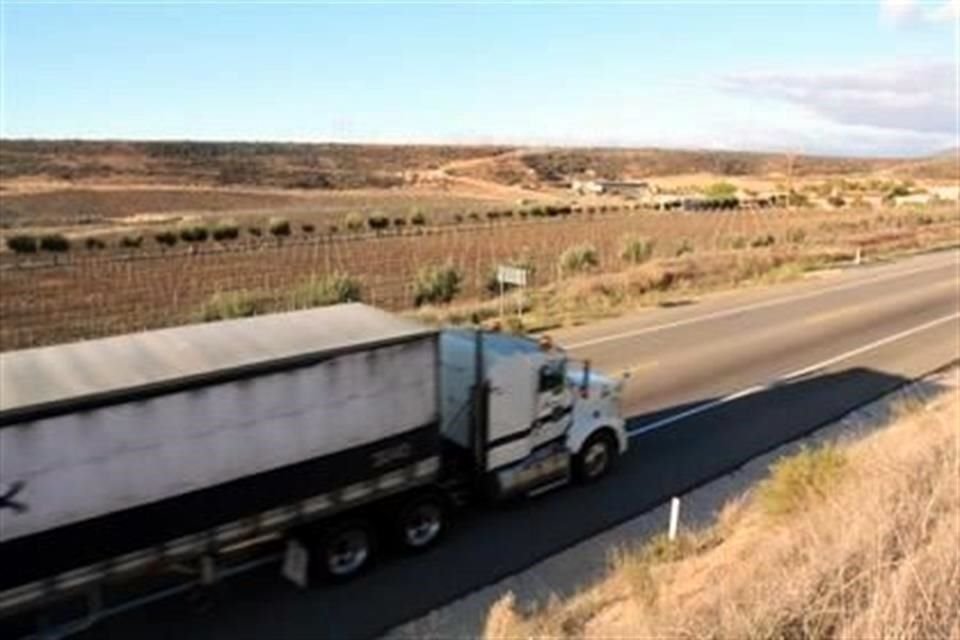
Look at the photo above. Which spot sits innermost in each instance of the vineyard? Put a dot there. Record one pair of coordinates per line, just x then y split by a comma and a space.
76, 295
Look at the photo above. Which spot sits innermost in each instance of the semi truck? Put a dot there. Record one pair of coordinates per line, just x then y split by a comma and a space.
143, 464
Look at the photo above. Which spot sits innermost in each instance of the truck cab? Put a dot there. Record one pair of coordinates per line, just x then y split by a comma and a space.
541, 418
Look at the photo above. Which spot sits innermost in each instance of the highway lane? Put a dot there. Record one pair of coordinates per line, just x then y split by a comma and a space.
734, 342
847, 338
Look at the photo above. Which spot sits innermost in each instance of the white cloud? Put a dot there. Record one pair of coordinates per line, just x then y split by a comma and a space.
949, 11
898, 13
917, 97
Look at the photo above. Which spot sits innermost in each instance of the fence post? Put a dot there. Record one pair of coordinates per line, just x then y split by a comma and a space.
674, 518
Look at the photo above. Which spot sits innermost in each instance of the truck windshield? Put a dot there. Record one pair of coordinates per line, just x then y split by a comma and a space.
552, 376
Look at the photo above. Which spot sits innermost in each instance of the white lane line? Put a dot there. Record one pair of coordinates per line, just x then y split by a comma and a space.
750, 307
799, 373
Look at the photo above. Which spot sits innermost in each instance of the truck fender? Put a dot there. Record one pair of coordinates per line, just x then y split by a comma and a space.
580, 433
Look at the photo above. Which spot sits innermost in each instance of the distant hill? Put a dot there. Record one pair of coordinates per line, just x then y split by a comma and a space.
284, 165
640, 163
353, 166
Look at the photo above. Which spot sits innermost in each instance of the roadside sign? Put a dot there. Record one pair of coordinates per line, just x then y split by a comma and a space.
516, 276
512, 275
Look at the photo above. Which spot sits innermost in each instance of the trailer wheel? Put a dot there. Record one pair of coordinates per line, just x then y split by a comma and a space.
596, 457
346, 550
421, 523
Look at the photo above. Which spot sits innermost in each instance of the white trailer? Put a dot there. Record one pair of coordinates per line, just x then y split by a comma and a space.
178, 452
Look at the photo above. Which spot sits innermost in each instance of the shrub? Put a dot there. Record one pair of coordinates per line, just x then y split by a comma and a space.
836, 201
763, 241
234, 304
897, 191
165, 238
22, 243
333, 228
457, 218
493, 216
685, 247
399, 223
378, 222
225, 230
796, 236
308, 228
418, 219
54, 242
194, 233
318, 292
636, 249
279, 227
256, 232
795, 480
131, 242
354, 222
436, 285
739, 243
93, 243
579, 258
474, 216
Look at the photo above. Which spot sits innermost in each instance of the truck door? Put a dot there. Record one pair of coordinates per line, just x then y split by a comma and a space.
511, 412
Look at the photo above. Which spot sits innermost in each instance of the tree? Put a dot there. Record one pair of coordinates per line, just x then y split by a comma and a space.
720, 190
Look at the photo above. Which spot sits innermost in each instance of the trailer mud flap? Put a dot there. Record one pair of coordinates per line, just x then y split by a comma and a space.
296, 564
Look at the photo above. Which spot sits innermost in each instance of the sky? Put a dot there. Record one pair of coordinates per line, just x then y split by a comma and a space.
872, 78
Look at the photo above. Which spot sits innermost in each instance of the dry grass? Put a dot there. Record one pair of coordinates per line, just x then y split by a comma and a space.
590, 297
868, 548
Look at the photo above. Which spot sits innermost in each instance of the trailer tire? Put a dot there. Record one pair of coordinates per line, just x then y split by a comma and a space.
344, 550
595, 458
421, 522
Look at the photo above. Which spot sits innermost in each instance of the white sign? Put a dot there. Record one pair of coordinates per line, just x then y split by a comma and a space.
512, 275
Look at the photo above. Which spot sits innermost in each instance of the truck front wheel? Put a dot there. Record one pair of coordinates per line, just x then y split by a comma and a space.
595, 458
346, 550
421, 522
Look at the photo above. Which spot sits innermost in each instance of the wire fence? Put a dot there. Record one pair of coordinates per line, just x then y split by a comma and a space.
85, 296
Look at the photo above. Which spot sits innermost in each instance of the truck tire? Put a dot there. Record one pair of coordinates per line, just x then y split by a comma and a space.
596, 457
344, 551
421, 522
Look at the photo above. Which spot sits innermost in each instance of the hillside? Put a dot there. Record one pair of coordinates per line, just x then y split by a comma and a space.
283, 165
354, 166
854, 540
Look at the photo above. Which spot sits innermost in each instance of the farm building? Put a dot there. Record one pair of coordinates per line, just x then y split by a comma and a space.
913, 199
634, 188
949, 193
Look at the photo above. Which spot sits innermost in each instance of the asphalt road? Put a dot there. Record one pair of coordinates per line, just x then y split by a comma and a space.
713, 383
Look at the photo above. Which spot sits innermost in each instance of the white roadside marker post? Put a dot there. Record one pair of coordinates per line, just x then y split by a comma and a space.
674, 518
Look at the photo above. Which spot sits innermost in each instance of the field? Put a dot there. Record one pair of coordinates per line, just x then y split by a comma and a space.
124, 236
80, 294
84, 210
